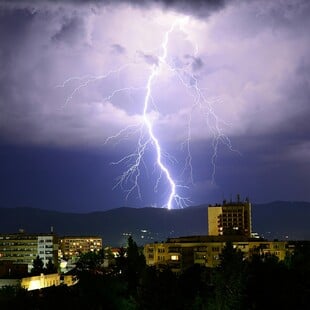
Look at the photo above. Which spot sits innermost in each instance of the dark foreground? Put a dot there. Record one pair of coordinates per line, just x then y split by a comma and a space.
262, 283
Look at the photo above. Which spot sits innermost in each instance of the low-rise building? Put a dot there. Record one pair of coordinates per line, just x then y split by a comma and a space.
39, 282
180, 253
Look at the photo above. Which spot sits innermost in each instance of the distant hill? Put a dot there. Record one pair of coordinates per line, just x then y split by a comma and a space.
282, 220
272, 220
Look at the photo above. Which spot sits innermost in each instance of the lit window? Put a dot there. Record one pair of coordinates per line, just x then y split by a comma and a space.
174, 257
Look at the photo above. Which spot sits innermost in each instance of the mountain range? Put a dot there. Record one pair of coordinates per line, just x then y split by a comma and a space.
276, 220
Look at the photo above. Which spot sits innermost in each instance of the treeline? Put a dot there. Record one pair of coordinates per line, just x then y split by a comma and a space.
236, 284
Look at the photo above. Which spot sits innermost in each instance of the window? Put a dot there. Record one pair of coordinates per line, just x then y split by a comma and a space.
174, 249
174, 257
200, 256
202, 249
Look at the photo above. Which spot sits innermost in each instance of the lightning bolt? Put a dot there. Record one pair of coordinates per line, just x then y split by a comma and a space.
133, 172
173, 196
129, 180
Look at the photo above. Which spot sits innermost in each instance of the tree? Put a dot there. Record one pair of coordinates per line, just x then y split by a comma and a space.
90, 261
37, 266
130, 265
269, 284
193, 284
229, 280
121, 261
50, 267
158, 289
136, 265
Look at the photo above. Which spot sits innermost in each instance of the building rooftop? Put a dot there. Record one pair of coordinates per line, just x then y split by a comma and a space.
208, 238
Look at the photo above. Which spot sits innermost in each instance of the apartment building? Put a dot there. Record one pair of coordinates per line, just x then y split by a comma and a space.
230, 218
71, 246
23, 248
180, 253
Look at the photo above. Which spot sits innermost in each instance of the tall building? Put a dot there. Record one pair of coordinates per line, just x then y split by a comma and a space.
23, 248
227, 222
48, 248
233, 218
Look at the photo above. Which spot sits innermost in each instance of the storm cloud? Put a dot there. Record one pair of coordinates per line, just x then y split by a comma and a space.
61, 62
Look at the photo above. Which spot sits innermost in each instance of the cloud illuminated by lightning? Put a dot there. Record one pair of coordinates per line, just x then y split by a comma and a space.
129, 180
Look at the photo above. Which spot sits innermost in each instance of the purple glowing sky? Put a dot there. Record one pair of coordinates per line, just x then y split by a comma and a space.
250, 58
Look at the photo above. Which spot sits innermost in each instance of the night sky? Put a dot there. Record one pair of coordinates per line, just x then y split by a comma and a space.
230, 105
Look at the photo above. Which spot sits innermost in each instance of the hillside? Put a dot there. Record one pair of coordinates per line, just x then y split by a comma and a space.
272, 220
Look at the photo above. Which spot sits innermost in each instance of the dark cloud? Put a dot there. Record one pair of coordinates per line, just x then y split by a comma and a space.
196, 62
200, 8
195, 7
71, 31
14, 26
117, 48
253, 53
149, 59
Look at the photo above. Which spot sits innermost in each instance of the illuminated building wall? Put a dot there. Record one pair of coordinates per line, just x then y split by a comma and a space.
214, 213
22, 248
233, 218
71, 246
180, 253
40, 282
48, 248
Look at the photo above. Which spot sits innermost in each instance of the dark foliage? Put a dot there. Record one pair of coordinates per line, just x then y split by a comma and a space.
90, 261
50, 267
38, 266
260, 283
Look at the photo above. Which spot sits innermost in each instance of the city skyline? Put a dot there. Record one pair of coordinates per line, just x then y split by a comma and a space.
75, 74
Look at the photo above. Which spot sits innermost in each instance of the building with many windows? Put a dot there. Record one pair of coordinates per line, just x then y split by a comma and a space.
180, 253
233, 218
227, 222
72, 246
23, 248
48, 248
